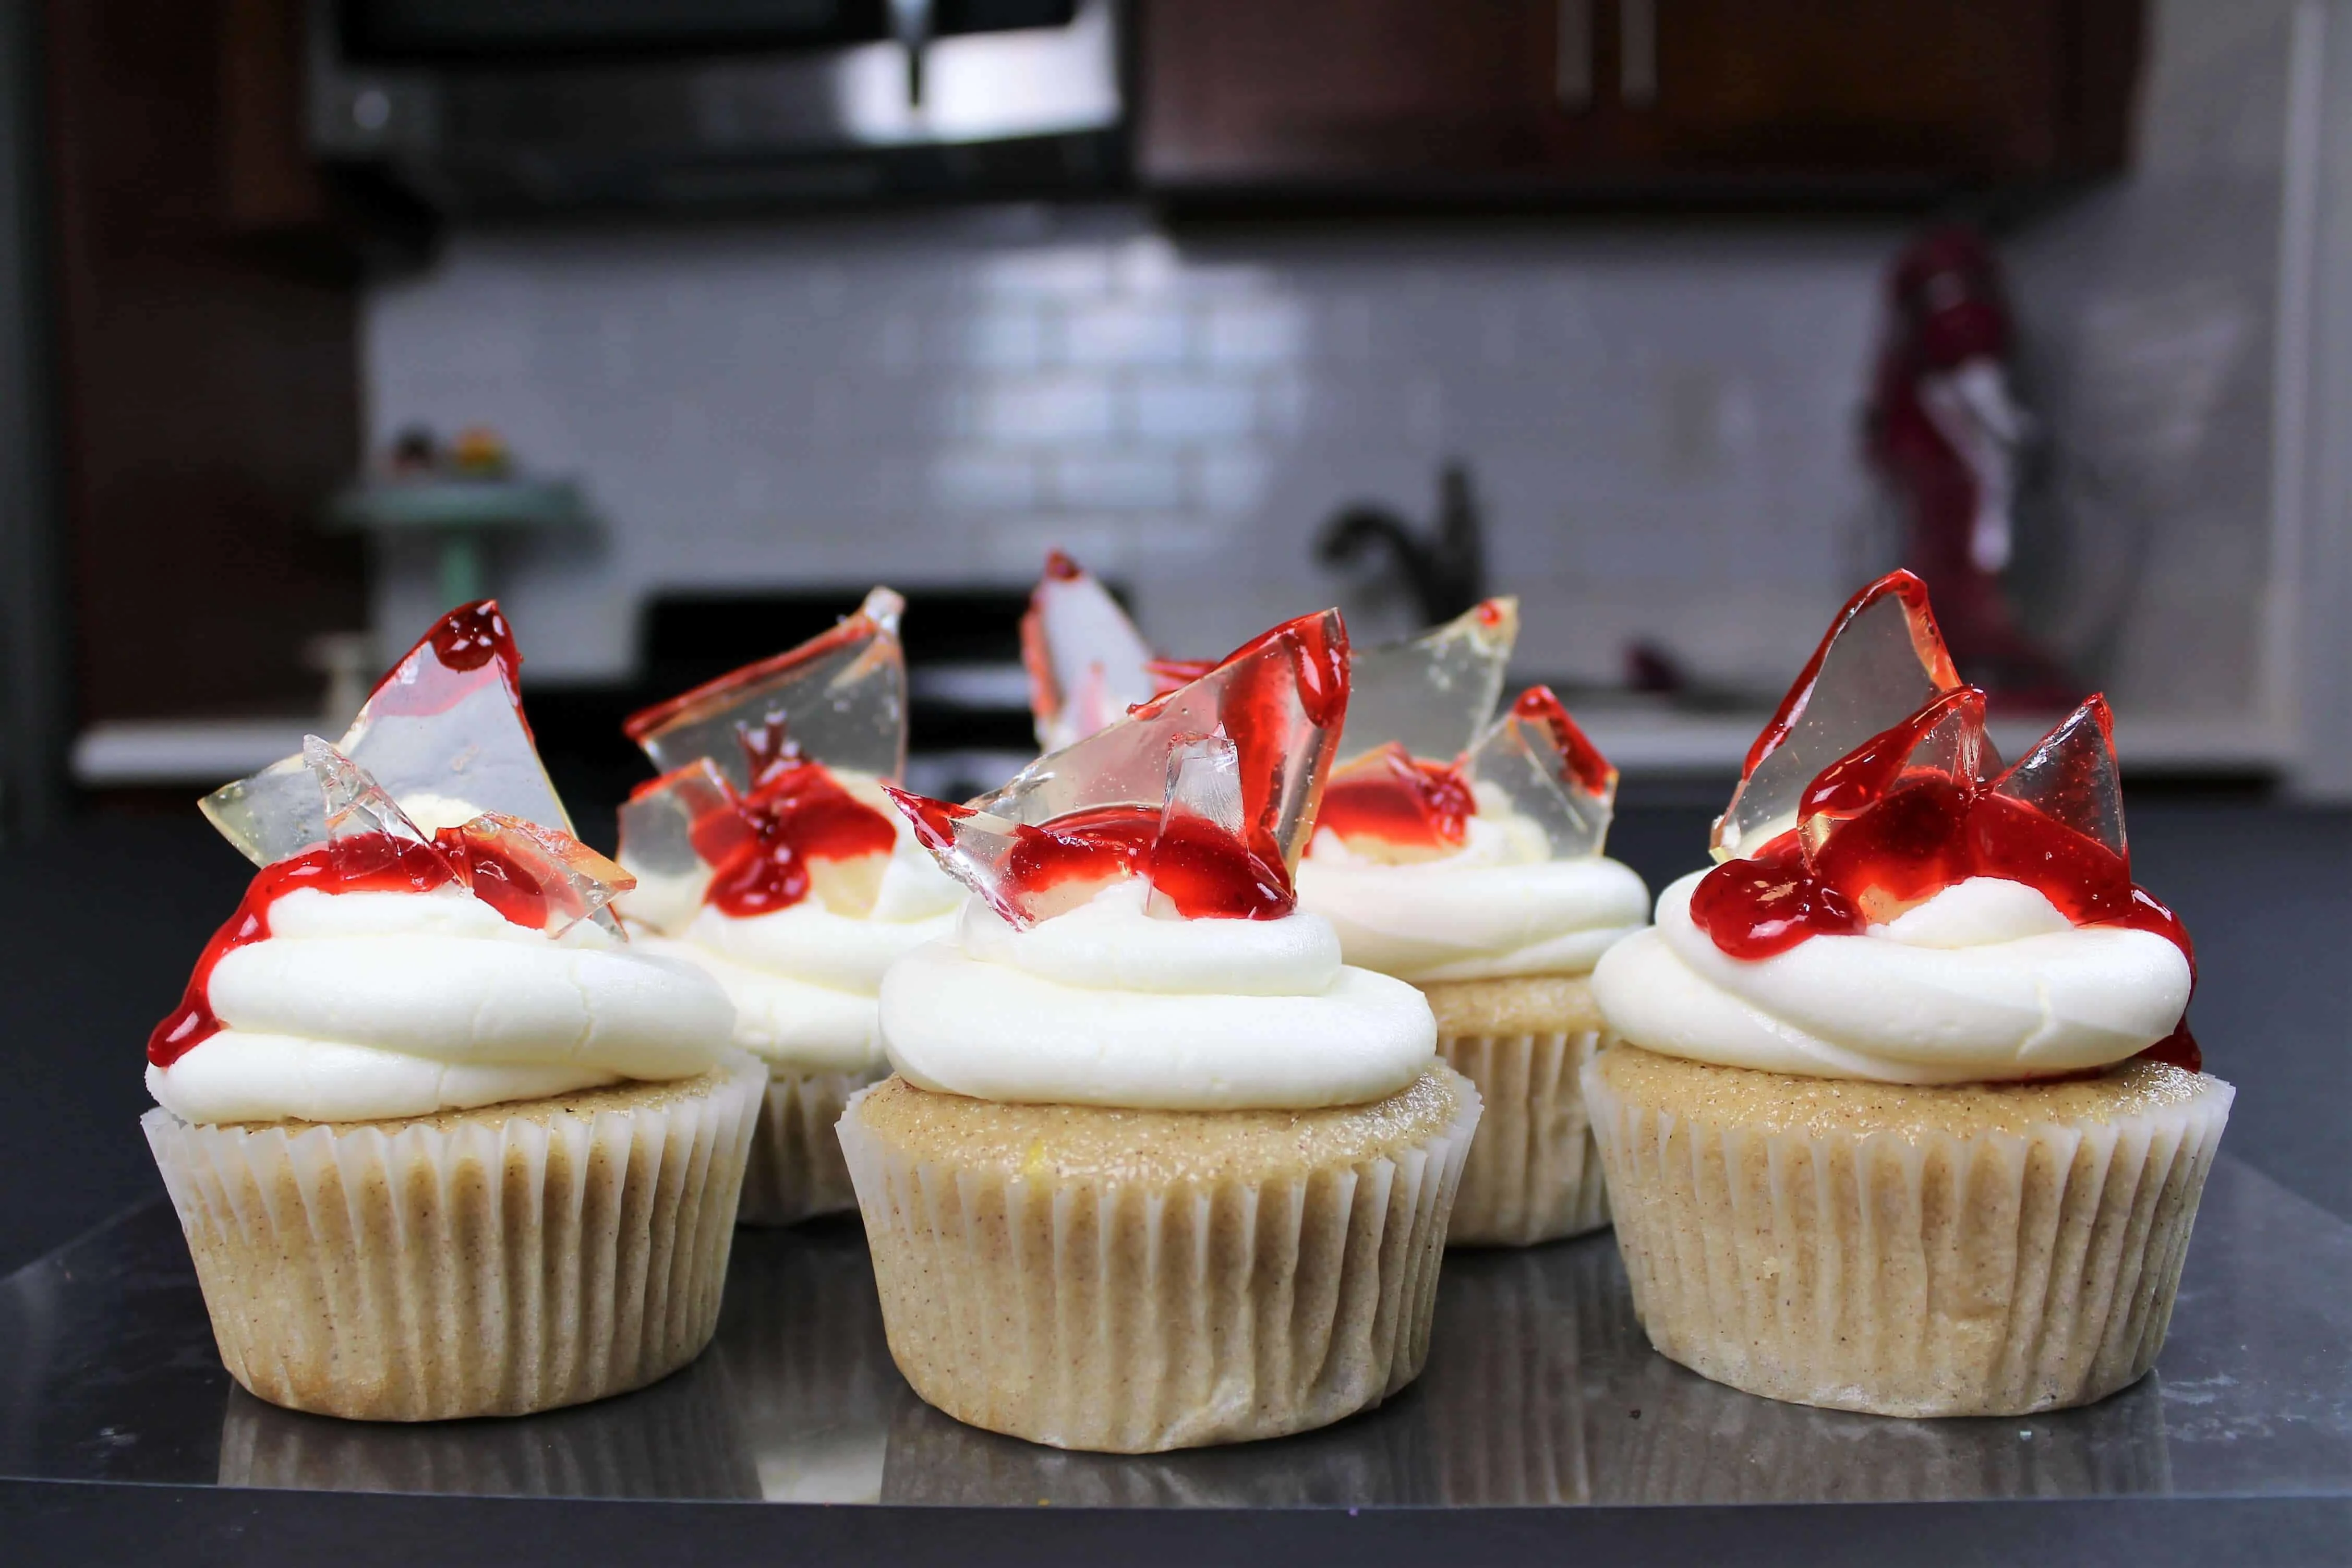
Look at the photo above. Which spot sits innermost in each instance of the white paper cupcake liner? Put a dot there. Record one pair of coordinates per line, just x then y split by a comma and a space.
1100, 1315
1996, 1273
1534, 1173
796, 1170
514, 1258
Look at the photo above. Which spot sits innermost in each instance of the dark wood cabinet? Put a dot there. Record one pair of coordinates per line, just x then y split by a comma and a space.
1402, 98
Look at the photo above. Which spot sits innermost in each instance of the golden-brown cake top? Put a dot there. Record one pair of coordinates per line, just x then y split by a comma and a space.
1156, 1148
1520, 1004
1786, 1102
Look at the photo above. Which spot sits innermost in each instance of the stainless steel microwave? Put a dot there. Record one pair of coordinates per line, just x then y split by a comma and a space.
480, 106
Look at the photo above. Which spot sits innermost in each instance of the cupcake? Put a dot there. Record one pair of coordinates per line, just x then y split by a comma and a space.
767, 855
1908, 1118
1465, 856
1156, 1170
1460, 855
441, 1143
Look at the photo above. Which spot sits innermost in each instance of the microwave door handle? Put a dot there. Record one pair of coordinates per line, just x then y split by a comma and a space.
911, 24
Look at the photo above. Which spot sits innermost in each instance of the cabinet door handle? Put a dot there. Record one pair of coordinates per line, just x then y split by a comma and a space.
1571, 66
1637, 52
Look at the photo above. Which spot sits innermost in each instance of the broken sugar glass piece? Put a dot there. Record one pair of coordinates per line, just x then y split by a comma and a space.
1434, 693
1088, 816
1201, 867
675, 831
1025, 873
539, 878
2070, 777
1281, 698
2056, 821
1087, 664
1535, 763
841, 697
1942, 746
1881, 659
1889, 824
443, 732
366, 832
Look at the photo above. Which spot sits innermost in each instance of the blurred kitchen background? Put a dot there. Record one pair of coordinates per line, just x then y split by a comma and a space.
677, 323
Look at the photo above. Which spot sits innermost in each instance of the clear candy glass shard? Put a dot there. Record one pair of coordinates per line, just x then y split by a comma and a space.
1535, 763
1882, 660
2071, 777
1025, 873
364, 830
1433, 693
840, 697
1943, 744
536, 876
674, 831
1281, 698
1204, 784
443, 733
1087, 664
1091, 814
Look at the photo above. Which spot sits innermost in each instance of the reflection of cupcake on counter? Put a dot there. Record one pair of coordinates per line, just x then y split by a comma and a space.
806, 1368
1455, 850
1503, 1399
768, 854
1695, 1443
1380, 1459
676, 1439
441, 1143
1910, 1121
1157, 1170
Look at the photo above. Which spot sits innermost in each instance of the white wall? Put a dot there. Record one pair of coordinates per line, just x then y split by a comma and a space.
1662, 422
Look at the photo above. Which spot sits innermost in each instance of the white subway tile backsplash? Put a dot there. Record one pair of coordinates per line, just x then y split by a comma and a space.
1123, 335
1190, 409
1254, 332
1115, 480
1044, 408
985, 479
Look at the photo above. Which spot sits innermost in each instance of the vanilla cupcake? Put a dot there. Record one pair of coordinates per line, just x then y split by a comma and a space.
442, 1145
768, 856
1908, 1118
1465, 857
1157, 1169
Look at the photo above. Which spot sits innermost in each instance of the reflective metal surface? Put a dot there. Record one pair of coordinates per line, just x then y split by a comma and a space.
1540, 1390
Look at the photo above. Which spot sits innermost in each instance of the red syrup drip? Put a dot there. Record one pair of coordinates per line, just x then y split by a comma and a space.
1205, 871
796, 814
1060, 568
375, 862
447, 665
1539, 705
1393, 796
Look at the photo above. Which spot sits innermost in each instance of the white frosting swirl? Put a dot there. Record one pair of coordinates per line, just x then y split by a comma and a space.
365, 1007
1106, 1005
804, 979
1985, 981
1498, 906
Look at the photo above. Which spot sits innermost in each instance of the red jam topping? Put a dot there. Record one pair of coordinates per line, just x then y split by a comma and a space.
1205, 872
1591, 771
1390, 795
1904, 816
370, 862
795, 816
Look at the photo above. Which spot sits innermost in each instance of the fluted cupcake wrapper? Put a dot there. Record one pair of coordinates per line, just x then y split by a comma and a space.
1103, 1315
486, 1263
796, 1170
1534, 1173
1991, 1273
